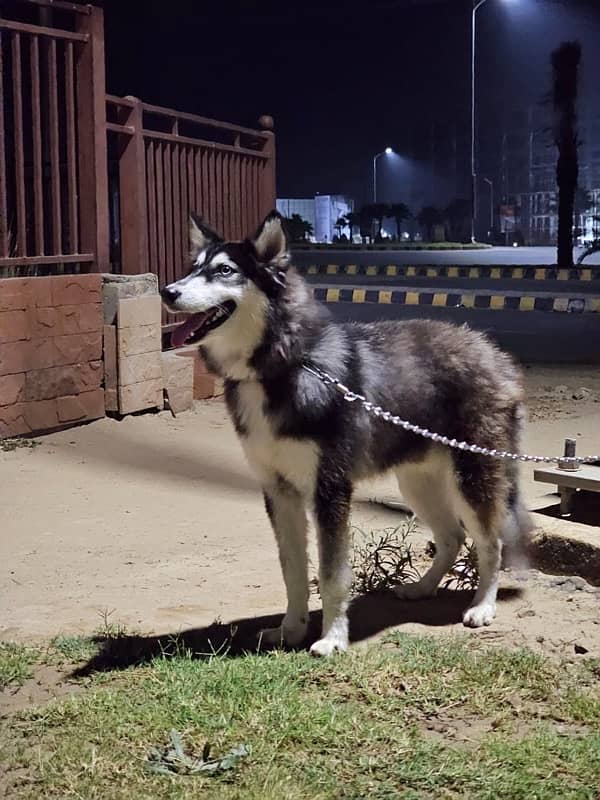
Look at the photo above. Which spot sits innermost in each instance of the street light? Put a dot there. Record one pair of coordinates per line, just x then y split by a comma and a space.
387, 152
476, 7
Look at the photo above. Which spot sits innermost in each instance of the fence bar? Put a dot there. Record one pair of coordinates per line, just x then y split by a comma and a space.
21, 218
54, 148
168, 213
184, 209
177, 259
91, 127
160, 208
216, 146
39, 30
132, 194
71, 148
36, 119
72, 258
161, 111
60, 5
4, 243
151, 207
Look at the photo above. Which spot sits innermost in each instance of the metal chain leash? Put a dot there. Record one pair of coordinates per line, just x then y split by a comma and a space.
378, 411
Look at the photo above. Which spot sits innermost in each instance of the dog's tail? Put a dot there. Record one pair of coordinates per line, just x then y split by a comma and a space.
518, 524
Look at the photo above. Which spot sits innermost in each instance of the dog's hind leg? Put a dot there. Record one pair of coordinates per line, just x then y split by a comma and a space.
430, 489
287, 512
484, 528
332, 511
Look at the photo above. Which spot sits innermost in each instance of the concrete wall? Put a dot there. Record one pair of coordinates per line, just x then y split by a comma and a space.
51, 368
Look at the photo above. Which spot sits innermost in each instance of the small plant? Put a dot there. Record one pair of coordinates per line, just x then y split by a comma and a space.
383, 558
8, 445
173, 759
464, 574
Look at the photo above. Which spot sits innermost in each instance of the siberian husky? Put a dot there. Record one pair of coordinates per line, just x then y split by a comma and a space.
258, 326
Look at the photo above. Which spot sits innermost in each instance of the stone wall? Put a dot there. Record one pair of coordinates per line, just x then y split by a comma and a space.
51, 367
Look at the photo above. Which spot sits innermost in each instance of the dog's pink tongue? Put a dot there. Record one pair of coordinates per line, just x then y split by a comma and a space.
186, 329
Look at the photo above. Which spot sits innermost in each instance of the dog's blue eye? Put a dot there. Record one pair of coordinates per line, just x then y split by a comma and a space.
226, 270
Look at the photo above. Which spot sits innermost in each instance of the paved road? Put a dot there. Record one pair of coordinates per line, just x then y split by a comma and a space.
534, 337
497, 256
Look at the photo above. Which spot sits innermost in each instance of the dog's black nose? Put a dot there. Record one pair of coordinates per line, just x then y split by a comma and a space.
169, 295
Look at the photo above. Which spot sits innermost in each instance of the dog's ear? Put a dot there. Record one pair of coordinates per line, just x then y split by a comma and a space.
271, 248
270, 241
201, 236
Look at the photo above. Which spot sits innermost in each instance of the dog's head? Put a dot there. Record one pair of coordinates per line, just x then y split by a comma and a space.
227, 279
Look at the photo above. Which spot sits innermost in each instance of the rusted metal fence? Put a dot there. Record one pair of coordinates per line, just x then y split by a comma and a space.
53, 183
171, 163
62, 137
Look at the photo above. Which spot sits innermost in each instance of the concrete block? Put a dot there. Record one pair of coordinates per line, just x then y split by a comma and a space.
119, 287
135, 311
42, 415
204, 386
77, 348
141, 396
22, 356
86, 318
144, 339
14, 326
12, 389
76, 290
44, 384
22, 293
12, 420
80, 407
139, 368
178, 377
111, 374
191, 351
111, 400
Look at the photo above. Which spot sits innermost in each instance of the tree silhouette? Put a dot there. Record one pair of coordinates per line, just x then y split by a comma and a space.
399, 212
297, 229
565, 66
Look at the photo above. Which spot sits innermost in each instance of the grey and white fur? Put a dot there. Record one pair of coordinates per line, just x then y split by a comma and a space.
257, 324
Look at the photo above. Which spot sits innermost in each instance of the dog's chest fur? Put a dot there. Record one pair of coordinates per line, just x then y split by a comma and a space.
271, 455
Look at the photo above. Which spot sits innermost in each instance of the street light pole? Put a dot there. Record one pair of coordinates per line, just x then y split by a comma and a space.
476, 7
388, 151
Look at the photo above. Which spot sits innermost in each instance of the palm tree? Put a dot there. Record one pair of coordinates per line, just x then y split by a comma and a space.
565, 65
458, 216
297, 229
428, 217
375, 213
340, 224
399, 212
352, 221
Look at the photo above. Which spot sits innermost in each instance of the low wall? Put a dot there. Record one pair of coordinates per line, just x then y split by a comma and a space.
51, 368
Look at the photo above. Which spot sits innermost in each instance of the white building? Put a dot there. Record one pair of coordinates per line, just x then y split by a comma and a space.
322, 211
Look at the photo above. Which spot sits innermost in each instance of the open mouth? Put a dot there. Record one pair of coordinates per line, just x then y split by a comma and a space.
196, 326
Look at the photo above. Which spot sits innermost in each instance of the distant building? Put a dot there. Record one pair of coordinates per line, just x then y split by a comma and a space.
322, 211
521, 163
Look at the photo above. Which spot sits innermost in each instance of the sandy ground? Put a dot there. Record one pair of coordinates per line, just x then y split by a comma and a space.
158, 523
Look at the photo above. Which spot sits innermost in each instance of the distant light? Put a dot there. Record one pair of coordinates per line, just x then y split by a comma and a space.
515, 244
388, 151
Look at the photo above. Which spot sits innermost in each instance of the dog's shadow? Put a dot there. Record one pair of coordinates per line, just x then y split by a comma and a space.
369, 615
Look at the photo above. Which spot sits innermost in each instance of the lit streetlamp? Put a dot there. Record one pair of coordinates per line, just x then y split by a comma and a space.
387, 152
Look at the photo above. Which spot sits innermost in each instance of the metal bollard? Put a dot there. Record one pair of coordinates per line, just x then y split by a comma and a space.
570, 448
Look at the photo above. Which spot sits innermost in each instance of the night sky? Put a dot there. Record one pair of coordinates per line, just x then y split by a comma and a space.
344, 79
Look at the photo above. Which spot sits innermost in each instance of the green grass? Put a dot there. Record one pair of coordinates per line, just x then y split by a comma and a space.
16, 662
409, 717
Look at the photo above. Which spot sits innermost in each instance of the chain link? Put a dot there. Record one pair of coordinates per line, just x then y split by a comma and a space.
378, 411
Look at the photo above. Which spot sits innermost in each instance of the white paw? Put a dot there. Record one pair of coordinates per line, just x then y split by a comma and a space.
414, 591
325, 647
284, 634
478, 616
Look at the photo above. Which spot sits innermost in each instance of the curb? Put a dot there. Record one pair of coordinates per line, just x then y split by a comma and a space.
477, 272
561, 547
509, 301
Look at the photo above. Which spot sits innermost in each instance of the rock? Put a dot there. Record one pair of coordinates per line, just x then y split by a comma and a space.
580, 649
561, 390
582, 393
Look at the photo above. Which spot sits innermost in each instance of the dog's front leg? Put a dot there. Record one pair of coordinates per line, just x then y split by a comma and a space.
332, 511
287, 512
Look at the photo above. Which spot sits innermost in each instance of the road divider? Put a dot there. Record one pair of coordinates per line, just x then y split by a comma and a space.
460, 272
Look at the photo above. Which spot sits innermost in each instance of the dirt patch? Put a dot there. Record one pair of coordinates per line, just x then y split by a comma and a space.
159, 521
46, 683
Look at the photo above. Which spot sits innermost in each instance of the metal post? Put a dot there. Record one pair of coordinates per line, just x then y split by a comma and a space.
491, 185
267, 189
375, 177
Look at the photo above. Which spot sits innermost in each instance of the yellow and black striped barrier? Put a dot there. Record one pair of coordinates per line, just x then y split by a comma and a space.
445, 299
442, 271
